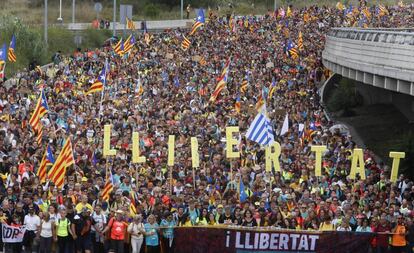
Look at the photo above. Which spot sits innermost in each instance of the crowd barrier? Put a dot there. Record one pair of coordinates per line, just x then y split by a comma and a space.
246, 240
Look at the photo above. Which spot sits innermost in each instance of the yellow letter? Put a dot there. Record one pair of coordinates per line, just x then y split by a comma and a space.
357, 159
231, 142
135, 149
195, 158
171, 144
107, 142
318, 159
272, 157
396, 156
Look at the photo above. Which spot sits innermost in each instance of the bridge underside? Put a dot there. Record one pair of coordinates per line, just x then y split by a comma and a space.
379, 81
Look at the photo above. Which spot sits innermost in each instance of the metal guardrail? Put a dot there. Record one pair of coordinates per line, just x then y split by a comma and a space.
392, 36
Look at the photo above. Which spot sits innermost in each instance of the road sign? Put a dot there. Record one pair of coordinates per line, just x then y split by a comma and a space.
98, 7
125, 10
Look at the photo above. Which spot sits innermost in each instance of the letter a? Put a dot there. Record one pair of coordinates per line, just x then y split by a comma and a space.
357, 165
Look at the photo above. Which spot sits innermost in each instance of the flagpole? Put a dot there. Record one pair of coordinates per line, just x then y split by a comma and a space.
103, 90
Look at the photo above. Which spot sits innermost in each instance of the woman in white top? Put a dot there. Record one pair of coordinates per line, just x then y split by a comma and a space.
136, 229
46, 232
344, 226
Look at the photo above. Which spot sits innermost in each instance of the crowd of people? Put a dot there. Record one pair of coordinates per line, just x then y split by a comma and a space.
160, 89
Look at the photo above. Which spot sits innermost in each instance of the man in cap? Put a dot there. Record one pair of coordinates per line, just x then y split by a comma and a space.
81, 225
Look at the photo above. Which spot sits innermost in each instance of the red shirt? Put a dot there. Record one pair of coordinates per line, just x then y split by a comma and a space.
382, 239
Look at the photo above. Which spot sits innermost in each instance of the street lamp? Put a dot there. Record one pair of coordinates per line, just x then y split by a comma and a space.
60, 19
73, 11
114, 21
45, 34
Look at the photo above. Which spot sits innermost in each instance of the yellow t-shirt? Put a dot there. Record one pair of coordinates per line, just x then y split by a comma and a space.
326, 227
80, 206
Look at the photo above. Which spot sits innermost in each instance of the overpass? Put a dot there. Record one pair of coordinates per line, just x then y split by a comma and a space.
381, 61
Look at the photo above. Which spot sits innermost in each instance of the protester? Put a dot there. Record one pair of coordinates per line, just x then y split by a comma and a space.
45, 233
136, 230
158, 89
117, 229
151, 235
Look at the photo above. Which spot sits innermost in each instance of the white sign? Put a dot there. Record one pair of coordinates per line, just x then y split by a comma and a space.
12, 234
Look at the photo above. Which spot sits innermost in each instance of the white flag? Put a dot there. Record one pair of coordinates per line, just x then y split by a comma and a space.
285, 127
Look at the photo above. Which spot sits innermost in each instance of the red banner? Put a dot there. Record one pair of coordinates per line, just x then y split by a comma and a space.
240, 240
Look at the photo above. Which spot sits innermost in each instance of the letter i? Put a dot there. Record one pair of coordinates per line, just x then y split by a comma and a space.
228, 239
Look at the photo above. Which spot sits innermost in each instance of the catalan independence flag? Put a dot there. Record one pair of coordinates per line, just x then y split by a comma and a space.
63, 161
3, 57
292, 51
244, 84
272, 88
109, 186
300, 41
119, 47
129, 43
185, 44
237, 104
199, 21
98, 85
11, 55
222, 82
47, 160
130, 24
41, 109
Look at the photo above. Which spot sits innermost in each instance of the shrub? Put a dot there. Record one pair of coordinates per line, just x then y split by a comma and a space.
344, 97
151, 10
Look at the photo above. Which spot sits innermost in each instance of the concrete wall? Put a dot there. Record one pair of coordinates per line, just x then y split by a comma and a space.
384, 59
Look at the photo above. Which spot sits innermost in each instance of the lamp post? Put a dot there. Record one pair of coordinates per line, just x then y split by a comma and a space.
60, 12
114, 21
45, 34
182, 9
73, 11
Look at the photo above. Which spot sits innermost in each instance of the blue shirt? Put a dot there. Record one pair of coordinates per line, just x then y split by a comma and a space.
168, 232
151, 240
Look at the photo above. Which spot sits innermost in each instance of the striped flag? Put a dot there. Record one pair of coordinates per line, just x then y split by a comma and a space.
132, 207
109, 186
245, 83
130, 24
237, 104
63, 161
300, 41
186, 43
129, 43
119, 47
98, 85
199, 21
47, 160
382, 10
39, 133
292, 50
202, 61
260, 130
3, 56
41, 109
272, 88
222, 82
11, 55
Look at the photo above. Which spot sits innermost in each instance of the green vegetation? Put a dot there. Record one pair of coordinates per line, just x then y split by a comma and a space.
383, 128
31, 11
344, 97
30, 45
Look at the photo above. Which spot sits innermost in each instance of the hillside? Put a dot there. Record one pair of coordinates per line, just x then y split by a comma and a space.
32, 11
